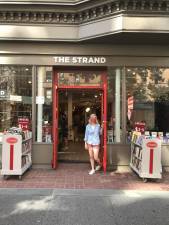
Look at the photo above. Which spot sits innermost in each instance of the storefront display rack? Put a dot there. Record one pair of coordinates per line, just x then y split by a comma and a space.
146, 156
16, 154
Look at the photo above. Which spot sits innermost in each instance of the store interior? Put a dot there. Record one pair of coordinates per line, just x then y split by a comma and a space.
75, 107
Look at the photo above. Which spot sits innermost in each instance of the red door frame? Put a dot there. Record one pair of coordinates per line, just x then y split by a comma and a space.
103, 88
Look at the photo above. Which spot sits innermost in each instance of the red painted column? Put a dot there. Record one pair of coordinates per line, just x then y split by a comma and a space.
105, 123
55, 120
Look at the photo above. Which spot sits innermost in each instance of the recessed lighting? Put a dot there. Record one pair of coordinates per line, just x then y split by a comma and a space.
29, 82
95, 96
27, 69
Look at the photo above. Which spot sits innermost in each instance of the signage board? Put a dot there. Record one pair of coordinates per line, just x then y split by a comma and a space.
3, 94
11, 144
80, 60
139, 126
24, 123
153, 157
15, 98
130, 104
40, 100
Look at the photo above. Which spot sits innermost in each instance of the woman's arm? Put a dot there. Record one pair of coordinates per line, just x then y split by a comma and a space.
86, 134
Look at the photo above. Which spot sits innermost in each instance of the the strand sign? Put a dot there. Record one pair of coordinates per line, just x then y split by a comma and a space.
79, 60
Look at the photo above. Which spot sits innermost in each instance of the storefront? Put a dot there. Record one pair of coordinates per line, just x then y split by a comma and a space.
53, 82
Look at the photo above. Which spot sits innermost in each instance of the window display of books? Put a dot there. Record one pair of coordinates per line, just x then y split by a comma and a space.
18, 131
164, 137
27, 146
136, 149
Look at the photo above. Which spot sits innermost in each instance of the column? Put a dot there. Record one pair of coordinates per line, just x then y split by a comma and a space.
41, 72
117, 106
70, 108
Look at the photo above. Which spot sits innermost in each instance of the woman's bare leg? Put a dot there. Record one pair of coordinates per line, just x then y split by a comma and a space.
91, 155
96, 155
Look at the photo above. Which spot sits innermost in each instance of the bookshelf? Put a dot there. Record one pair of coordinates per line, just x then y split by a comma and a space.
146, 156
16, 154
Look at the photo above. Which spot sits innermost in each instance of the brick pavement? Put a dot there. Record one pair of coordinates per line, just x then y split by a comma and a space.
75, 176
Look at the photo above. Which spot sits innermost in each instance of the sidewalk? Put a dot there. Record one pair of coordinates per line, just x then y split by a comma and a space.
75, 176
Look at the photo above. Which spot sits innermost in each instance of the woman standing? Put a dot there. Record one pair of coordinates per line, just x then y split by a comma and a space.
92, 142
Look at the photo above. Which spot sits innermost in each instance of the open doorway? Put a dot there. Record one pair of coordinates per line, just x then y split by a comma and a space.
75, 107
76, 94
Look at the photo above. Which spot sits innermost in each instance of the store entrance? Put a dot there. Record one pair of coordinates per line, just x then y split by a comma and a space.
75, 107
77, 94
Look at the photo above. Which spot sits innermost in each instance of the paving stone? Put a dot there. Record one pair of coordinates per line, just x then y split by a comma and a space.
75, 176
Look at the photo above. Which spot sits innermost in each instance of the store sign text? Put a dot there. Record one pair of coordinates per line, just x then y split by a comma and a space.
79, 60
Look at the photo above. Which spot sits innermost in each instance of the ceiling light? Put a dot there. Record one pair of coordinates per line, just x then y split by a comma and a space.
87, 109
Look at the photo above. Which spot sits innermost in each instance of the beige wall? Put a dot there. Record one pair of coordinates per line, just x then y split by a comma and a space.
42, 154
118, 155
111, 25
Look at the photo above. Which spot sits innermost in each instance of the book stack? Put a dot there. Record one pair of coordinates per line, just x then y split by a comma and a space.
136, 149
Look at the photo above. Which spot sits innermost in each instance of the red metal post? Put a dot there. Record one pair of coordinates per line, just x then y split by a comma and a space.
55, 120
105, 122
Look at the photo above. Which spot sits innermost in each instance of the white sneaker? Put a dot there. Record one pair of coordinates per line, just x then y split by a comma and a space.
91, 172
98, 167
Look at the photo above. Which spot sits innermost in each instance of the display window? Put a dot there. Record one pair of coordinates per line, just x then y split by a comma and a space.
147, 100
79, 78
145, 109
15, 97
44, 104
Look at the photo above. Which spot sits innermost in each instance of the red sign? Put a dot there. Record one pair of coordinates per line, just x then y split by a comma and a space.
152, 144
47, 129
140, 127
24, 123
130, 103
11, 140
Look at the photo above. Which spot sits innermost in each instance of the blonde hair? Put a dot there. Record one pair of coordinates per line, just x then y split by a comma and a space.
93, 116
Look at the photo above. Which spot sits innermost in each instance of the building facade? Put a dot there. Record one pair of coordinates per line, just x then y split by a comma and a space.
62, 60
